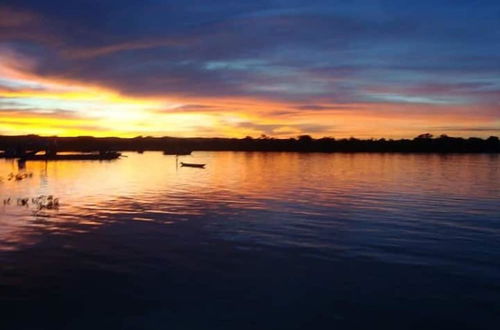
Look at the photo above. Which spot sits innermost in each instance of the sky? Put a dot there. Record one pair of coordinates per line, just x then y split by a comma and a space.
236, 68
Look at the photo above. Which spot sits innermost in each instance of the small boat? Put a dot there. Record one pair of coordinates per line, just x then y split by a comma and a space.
192, 165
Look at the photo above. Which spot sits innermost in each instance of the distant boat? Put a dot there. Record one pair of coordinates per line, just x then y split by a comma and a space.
107, 155
192, 165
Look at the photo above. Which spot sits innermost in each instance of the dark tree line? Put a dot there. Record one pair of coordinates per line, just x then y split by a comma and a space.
303, 143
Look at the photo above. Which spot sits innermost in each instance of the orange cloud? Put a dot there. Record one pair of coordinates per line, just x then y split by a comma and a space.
90, 52
30, 103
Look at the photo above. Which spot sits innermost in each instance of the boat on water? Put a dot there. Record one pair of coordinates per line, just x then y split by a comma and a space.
192, 165
107, 155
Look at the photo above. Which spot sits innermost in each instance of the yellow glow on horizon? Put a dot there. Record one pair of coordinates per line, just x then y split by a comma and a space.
57, 106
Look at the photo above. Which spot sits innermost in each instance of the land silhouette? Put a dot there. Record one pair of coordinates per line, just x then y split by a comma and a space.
424, 143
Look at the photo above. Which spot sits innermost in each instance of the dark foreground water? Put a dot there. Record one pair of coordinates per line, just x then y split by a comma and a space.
254, 241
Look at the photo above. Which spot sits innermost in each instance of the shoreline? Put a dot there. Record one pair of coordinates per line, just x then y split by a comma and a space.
425, 143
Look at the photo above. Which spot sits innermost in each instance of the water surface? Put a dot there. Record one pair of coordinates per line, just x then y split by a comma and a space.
254, 241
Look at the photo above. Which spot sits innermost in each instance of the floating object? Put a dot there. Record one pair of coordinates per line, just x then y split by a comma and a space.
19, 176
192, 165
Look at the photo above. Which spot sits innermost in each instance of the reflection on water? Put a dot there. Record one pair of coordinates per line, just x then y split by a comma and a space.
304, 223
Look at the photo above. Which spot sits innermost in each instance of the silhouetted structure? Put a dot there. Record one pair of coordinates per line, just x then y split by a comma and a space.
18, 145
102, 155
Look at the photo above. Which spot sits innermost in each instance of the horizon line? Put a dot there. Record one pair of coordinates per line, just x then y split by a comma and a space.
262, 137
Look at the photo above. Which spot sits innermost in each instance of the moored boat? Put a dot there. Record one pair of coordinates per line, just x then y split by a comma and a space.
192, 165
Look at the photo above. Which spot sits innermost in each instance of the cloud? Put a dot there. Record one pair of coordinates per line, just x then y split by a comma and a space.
90, 52
360, 57
493, 129
6, 111
191, 108
297, 52
13, 18
286, 129
321, 107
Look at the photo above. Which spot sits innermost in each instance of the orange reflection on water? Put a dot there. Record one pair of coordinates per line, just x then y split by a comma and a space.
151, 187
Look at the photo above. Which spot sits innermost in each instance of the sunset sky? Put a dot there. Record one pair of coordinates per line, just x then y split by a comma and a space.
236, 68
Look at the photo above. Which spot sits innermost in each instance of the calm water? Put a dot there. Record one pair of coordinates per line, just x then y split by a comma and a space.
254, 241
